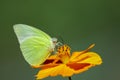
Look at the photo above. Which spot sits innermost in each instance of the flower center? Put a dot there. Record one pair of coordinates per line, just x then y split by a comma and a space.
63, 53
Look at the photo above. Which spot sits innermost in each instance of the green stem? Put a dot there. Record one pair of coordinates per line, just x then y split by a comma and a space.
69, 78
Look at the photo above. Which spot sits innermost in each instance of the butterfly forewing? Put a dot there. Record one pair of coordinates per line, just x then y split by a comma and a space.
35, 45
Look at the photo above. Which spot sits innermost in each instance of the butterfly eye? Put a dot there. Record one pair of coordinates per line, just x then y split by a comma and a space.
54, 40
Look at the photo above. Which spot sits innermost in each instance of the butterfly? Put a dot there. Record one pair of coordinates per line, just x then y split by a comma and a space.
35, 44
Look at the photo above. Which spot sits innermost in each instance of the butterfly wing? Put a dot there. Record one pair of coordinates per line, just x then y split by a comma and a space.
35, 45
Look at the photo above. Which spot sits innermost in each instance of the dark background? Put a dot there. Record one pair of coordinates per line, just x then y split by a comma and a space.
79, 22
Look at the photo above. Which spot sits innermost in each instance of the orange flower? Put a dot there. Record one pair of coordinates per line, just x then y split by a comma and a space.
62, 63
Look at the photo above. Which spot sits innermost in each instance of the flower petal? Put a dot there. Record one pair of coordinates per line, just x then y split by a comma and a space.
88, 57
48, 66
76, 54
79, 67
58, 70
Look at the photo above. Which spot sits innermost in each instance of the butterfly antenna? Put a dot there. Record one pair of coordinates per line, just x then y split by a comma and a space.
61, 39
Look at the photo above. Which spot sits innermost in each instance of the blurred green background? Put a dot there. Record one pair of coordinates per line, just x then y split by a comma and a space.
79, 22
